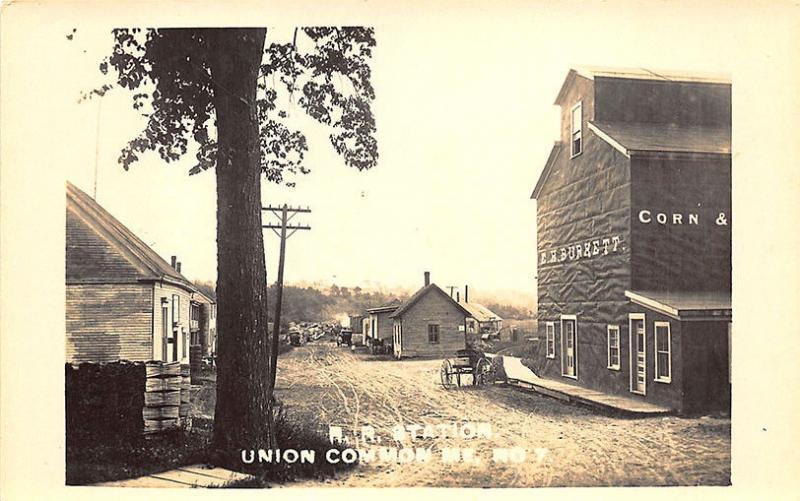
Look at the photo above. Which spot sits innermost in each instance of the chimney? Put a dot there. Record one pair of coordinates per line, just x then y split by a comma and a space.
458, 297
173, 261
427, 278
466, 293
178, 267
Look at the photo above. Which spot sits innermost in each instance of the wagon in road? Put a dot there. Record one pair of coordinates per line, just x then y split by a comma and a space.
467, 361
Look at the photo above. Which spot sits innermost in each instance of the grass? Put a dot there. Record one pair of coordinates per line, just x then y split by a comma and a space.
91, 461
292, 434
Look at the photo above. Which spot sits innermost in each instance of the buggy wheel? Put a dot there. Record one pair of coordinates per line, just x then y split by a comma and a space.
482, 374
447, 375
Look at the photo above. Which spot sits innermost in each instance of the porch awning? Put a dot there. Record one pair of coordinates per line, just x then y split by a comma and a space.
685, 305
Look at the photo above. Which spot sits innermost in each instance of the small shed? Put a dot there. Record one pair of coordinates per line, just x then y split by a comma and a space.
483, 322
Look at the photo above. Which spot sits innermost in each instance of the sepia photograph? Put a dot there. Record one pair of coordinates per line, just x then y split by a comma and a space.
448, 246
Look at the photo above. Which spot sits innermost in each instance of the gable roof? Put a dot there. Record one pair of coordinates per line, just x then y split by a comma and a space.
548, 166
100, 249
644, 138
592, 72
479, 312
422, 293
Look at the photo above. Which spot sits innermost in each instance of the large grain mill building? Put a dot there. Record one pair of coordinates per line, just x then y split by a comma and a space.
634, 238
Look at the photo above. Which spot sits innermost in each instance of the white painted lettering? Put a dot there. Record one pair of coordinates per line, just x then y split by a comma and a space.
644, 216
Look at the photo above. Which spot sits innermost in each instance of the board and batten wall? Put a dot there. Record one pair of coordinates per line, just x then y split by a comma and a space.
432, 308
107, 322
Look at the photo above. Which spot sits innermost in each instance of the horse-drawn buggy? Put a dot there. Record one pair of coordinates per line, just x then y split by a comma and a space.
468, 361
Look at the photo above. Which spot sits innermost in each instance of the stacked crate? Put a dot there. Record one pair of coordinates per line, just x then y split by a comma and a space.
186, 387
162, 398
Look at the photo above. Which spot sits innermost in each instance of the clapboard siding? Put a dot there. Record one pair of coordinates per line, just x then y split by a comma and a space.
166, 291
432, 308
108, 322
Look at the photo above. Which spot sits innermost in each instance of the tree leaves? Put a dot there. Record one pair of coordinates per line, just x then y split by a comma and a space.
327, 75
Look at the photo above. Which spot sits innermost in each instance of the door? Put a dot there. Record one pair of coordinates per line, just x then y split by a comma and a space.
166, 339
569, 342
638, 355
397, 342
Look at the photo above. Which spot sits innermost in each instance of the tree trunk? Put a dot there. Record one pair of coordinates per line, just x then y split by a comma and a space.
242, 417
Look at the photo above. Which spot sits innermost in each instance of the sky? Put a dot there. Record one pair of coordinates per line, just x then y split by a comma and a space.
465, 120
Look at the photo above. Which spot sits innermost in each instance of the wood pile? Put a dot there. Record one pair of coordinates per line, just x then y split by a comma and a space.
185, 402
104, 399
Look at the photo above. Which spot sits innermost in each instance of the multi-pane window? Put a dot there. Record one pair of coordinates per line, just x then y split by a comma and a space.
663, 354
433, 334
569, 348
576, 129
613, 347
550, 330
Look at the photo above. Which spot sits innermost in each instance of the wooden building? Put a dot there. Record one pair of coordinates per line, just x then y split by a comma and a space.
634, 238
357, 325
379, 326
482, 322
430, 323
123, 301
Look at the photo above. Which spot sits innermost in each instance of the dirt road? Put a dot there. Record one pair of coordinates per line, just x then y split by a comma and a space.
565, 445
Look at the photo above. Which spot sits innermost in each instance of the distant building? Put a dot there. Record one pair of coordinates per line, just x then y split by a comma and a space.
123, 301
357, 325
483, 322
429, 323
634, 238
379, 330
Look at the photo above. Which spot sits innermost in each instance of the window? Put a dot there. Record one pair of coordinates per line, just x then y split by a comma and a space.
433, 334
663, 353
613, 347
577, 129
176, 309
184, 342
550, 330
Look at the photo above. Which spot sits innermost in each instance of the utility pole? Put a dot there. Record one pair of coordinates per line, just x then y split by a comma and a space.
284, 214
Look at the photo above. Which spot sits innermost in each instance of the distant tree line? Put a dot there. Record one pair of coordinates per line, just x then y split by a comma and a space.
509, 312
309, 304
